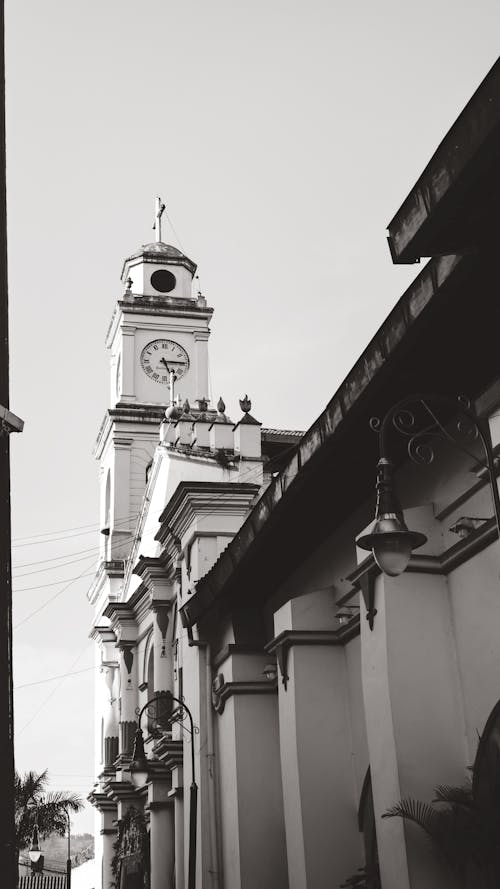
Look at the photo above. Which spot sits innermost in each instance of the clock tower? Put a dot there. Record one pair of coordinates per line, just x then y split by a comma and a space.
158, 344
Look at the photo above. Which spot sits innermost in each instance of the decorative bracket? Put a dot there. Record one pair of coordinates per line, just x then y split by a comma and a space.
363, 578
367, 584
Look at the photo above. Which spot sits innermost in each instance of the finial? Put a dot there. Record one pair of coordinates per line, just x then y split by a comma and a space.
172, 412
186, 407
129, 283
245, 404
160, 206
221, 407
202, 404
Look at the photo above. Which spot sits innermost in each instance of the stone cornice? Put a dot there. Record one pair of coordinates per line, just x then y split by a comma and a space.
285, 640
123, 622
169, 752
120, 790
193, 499
102, 634
222, 690
234, 649
156, 575
101, 801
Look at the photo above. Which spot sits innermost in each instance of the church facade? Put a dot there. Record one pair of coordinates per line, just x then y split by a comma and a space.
329, 671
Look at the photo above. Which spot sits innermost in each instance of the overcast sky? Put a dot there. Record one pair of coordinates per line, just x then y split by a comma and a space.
283, 136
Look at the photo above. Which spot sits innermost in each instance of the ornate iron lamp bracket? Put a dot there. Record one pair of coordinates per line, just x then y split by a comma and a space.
420, 419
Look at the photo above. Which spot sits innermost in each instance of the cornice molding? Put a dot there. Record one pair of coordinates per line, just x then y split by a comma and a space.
169, 752
102, 635
285, 640
101, 801
233, 649
222, 690
193, 499
123, 622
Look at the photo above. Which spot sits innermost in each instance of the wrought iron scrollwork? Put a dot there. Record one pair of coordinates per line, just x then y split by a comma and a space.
419, 419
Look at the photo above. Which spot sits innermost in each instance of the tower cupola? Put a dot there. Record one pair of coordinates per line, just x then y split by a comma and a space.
158, 269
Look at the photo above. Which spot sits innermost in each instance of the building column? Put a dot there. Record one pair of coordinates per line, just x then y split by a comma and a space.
201, 341
110, 716
163, 671
414, 715
128, 364
161, 832
109, 834
323, 842
128, 696
251, 796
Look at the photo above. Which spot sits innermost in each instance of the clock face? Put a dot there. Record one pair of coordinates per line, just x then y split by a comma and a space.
161, 357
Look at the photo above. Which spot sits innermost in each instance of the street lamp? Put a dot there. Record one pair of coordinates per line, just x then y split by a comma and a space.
139, 767
35, 853
68, 859
417, 418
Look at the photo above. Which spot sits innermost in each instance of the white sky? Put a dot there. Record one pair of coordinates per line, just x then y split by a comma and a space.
283, 136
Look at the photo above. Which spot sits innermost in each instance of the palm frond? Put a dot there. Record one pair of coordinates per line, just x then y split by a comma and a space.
460, 796
61, 799
418, 812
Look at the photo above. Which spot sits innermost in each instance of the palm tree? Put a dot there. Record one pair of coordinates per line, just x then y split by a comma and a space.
464, 827
35, 805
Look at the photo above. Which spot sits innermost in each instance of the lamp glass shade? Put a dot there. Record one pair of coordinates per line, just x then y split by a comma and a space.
139, 773
392, 552
34, 855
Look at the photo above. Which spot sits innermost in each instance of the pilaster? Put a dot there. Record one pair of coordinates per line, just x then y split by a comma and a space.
414, 712
128, 364
161, 822
251, 795
323, 841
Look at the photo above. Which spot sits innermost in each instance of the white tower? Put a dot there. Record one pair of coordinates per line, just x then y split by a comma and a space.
158, 333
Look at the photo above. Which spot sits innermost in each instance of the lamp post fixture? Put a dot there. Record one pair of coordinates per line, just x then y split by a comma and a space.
35, 853
417, 418
140, 770
68, 859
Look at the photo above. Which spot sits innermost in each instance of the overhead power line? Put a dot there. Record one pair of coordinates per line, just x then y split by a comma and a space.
93, 528
53, 678
95, 549
52, 598
42, 586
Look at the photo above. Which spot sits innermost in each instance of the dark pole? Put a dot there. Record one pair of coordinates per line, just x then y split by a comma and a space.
68, 860
7, 803
193, 792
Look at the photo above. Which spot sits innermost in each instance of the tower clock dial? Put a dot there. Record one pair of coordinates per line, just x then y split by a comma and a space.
160, 357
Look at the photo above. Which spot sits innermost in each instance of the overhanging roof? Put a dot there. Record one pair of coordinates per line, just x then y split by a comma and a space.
454, 206
441, 336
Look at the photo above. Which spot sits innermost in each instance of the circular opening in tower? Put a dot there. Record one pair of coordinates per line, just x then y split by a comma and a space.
163, 281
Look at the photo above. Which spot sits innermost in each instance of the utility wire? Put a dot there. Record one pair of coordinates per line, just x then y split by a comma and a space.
173, 229
95, 550
52, 692
43, 586
67, 536
52, 598
53, 678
